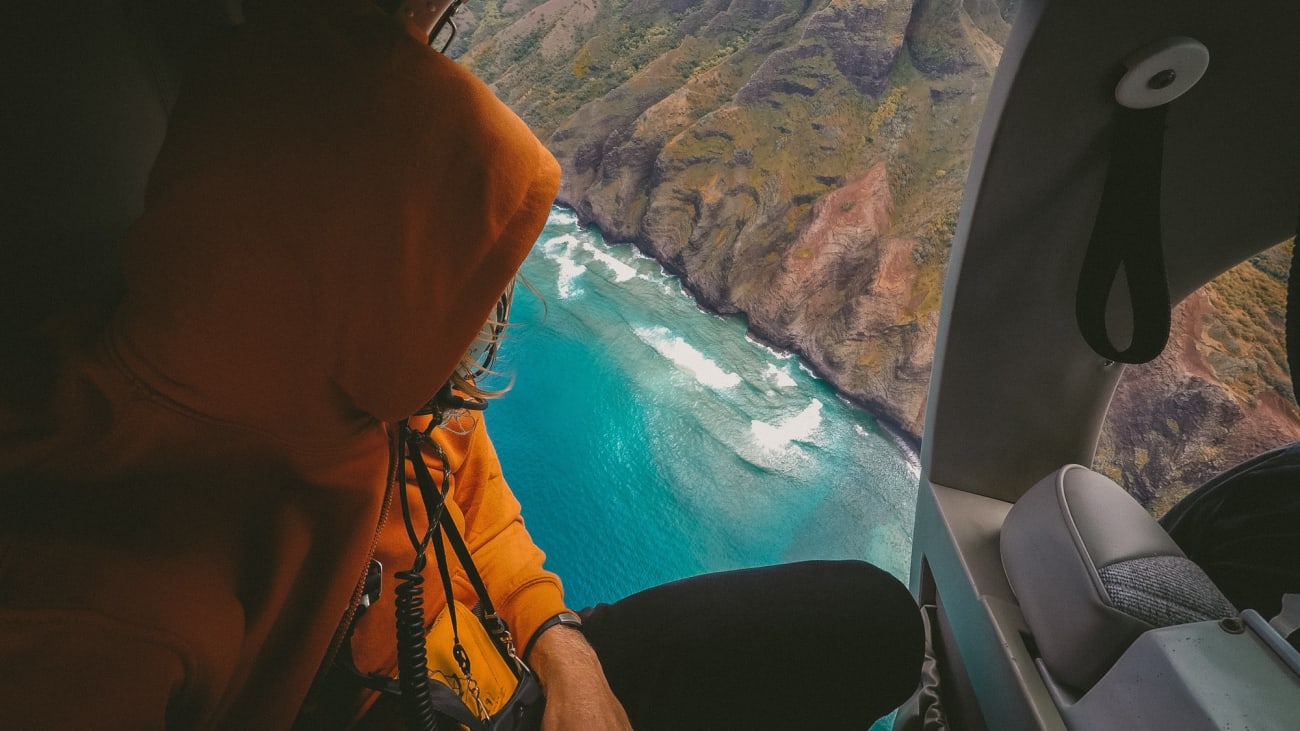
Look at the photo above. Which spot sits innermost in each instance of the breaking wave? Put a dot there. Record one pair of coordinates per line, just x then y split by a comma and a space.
686, 357
801, 427
637, 419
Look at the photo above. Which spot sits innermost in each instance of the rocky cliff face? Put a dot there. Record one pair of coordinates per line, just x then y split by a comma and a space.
1219, 394
801, 162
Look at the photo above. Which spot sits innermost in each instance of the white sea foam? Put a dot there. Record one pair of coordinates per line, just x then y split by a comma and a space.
780, 376
559, 249
913, 465
559, 245
781, 354
622, 271
686, 357
641, 255
569, 271
655, 274
563, 217
911, 459
811, 373
798, 428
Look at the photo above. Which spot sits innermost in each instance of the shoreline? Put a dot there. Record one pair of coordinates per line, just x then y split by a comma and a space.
906, 441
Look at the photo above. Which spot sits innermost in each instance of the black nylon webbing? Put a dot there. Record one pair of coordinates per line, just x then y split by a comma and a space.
440, 521
1127, 234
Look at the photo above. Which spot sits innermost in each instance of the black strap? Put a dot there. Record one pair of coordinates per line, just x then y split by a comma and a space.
441, 518
410, 444
435, 508
1127, 234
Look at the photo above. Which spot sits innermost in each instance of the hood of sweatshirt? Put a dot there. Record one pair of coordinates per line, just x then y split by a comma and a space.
331, 220
334, 213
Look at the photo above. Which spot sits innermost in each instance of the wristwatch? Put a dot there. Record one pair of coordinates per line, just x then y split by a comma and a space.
568, 619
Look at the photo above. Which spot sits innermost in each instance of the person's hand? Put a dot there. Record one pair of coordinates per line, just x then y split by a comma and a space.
577, 695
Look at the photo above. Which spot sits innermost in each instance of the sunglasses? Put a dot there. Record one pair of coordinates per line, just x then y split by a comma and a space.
444, 31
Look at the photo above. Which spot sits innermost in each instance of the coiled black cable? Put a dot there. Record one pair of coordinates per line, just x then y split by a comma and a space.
412, 657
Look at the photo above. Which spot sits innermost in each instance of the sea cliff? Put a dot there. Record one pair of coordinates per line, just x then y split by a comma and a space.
801, 164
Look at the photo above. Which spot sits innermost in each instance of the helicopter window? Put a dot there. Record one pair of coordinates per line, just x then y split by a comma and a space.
1221, 388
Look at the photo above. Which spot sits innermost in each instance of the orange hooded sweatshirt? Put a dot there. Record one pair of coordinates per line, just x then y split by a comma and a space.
187, 511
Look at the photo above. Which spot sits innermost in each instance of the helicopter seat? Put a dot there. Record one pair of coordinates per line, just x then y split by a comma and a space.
1092, 571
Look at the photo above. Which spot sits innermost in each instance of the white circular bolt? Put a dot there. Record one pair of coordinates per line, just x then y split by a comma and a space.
1162, 72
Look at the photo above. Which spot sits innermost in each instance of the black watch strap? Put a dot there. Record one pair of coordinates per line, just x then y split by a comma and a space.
568, 619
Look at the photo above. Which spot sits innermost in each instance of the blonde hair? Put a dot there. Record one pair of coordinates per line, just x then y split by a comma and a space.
477, 360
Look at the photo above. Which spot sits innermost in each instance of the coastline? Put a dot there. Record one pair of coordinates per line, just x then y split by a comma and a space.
908, 442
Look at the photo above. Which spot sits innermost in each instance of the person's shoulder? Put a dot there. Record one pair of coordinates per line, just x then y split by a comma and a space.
453, 96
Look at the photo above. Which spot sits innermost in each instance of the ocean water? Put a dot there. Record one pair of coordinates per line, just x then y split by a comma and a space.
648, 440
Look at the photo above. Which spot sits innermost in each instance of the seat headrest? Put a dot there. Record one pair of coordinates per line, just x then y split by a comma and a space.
1092, 570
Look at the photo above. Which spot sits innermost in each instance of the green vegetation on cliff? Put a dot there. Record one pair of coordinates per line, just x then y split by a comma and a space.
1218, 394
802, 162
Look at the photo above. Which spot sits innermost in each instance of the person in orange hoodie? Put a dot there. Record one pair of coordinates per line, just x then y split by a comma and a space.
191, 505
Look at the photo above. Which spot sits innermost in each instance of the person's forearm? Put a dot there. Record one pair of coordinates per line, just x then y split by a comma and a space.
577, 694
561, 654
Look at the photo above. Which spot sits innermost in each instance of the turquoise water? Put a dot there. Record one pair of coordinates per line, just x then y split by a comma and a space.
648, 440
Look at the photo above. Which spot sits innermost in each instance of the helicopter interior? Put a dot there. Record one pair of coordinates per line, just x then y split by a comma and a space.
1013, 531
1009, 560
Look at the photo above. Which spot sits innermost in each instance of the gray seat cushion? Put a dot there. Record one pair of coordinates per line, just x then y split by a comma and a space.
1092, 570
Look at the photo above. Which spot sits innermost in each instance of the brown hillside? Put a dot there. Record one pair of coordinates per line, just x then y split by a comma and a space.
802, 163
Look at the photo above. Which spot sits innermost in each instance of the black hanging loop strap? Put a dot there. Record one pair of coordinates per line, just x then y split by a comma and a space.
1127, 235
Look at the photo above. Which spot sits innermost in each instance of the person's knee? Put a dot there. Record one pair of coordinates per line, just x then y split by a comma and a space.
864, 631
879, 617
859, 586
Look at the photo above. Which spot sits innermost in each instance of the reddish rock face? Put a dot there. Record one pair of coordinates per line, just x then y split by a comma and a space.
1206, 403
802, 163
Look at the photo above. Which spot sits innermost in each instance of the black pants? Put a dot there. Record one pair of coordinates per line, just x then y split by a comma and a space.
813, 645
